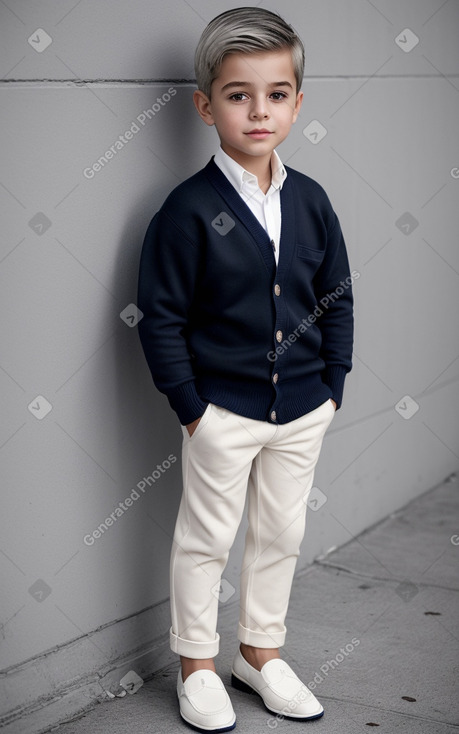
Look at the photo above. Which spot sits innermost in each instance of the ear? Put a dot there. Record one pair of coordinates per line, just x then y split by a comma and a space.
203, 106
298, 103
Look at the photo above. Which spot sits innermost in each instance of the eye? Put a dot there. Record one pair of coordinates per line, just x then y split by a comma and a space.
278, 96
238, 96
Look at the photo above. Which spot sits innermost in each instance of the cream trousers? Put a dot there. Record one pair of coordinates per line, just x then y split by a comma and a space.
227, 457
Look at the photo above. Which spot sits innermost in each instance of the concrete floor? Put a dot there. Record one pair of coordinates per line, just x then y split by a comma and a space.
375, 625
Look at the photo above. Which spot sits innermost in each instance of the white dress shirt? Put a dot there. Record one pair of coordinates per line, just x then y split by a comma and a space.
265, 207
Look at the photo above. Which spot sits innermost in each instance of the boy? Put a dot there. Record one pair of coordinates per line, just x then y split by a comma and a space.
248, 320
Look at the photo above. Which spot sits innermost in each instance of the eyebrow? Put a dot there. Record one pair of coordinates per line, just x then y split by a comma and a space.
248, 84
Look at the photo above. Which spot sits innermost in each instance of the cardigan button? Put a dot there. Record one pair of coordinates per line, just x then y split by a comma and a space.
273, 416
277, 289
279, 335
275, 377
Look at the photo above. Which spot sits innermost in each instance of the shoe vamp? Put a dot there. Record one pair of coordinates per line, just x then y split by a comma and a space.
209, 700
289, 687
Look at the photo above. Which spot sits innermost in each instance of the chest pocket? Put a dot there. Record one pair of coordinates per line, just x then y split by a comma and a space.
308, 253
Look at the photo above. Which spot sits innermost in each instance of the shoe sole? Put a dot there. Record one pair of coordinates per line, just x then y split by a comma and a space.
196, 727
241, 685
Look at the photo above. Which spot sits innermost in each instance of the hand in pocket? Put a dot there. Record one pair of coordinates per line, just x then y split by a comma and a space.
191, 427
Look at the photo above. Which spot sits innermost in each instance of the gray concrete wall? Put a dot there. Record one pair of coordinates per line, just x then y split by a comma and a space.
82, 423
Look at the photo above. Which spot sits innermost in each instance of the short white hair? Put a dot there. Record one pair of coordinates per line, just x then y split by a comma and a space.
244, 30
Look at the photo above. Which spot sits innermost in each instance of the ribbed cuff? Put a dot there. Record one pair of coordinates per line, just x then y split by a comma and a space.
186, 402
334, 377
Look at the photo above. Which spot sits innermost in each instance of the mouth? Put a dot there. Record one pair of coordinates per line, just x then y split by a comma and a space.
259, 133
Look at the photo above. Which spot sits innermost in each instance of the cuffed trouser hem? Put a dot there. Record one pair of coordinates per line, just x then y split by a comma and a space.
195, 650
261, 639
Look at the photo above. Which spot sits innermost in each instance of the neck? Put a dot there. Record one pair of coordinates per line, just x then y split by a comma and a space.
260, 166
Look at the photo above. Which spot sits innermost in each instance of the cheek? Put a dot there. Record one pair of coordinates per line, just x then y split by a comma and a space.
230, 119
287, 116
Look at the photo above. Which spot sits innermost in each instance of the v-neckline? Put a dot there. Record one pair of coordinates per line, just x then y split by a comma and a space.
248, 218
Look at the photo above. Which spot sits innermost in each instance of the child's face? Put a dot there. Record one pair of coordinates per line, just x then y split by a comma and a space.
252, 92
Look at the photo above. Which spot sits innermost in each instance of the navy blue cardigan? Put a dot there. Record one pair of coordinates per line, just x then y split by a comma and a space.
222, 324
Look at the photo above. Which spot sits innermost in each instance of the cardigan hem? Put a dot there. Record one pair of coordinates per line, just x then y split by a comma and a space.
257, 401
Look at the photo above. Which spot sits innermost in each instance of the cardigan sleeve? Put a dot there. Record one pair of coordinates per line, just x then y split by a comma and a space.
333, 288
169, 264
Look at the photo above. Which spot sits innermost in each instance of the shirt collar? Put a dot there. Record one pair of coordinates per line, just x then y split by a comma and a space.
238, 175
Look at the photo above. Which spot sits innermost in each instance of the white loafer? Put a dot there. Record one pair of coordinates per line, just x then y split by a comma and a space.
278, 685
204, 702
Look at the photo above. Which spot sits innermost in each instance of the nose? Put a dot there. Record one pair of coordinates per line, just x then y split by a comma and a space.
259, 109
